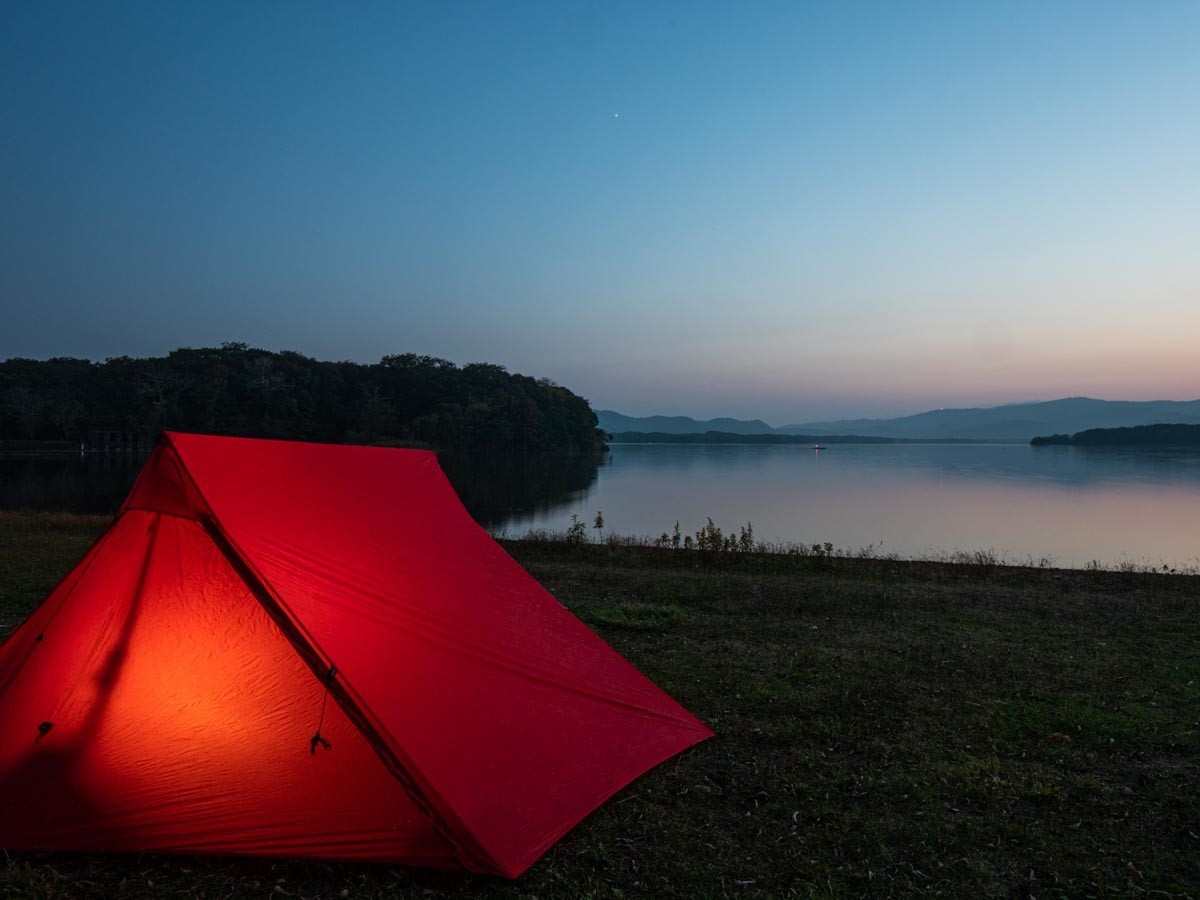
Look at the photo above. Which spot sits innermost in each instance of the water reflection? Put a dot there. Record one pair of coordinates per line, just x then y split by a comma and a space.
496, 487
94, 483
1071, 504
1056, 464
492, 487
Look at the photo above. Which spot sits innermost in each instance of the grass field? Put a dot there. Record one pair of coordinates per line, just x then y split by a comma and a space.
882, 727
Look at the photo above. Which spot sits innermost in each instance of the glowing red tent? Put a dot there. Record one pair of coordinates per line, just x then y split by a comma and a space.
296, 649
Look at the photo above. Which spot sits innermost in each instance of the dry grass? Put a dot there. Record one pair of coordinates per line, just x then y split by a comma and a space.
883, 727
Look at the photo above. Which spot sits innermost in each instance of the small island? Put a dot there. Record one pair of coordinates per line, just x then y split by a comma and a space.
1165, 435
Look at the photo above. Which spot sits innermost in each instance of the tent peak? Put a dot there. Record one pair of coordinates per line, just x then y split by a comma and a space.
284, 445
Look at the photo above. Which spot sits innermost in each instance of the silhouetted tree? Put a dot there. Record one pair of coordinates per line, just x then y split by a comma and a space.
241, 390
25, 407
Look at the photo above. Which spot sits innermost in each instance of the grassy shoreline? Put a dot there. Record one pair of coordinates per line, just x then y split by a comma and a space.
871, 553
883, 726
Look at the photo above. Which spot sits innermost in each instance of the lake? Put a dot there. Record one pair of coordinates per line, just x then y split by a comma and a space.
1069, 505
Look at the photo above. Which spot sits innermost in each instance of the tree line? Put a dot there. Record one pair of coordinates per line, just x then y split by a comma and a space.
1164, 435
235, 389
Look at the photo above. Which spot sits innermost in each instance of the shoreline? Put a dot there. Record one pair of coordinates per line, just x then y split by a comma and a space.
986, 558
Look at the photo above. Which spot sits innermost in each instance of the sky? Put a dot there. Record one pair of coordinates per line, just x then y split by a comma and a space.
790, 211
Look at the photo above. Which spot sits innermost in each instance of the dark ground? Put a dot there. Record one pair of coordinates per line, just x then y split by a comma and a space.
882, 727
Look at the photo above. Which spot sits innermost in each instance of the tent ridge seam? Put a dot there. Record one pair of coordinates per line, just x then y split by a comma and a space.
320, 664
465, 844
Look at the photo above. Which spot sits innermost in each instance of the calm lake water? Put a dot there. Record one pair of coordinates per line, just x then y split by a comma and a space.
1071, 505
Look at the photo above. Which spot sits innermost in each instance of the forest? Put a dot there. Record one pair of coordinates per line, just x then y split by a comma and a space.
235, 389
1165, 435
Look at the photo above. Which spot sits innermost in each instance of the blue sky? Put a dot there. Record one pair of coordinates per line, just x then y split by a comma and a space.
781, 210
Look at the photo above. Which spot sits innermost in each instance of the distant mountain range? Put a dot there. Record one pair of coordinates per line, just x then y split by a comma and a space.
615, 423
1014, 422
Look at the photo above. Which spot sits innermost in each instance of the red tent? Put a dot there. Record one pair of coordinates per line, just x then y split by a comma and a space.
296, 649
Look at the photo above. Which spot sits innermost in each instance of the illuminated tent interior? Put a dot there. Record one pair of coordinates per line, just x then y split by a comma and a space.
290, 649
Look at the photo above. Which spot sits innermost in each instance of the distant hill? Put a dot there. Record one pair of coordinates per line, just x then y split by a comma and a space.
1137, 436
614, 422
1019, 422
1015, 422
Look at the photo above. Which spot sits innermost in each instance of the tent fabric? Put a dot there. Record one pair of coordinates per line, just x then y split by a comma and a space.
246, 586
151, 722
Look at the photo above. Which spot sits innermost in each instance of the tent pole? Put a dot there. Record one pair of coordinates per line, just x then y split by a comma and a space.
455, 833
